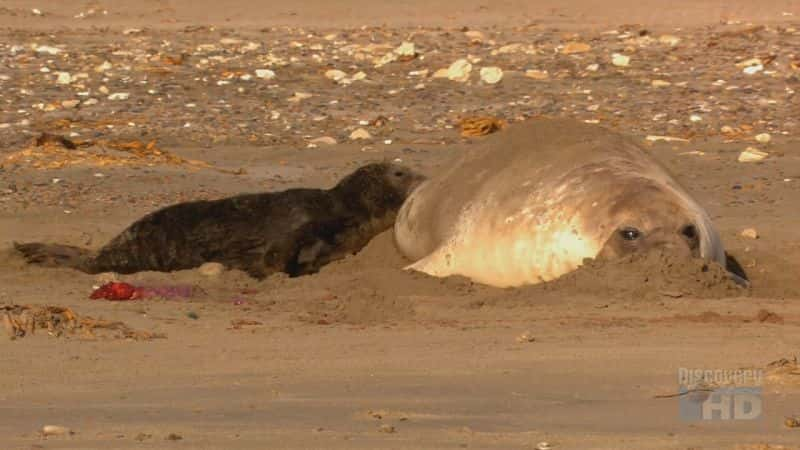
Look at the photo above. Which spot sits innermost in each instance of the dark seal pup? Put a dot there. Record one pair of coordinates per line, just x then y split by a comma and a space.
296, 231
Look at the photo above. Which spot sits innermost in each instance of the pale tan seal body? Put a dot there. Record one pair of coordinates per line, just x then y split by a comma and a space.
530, 203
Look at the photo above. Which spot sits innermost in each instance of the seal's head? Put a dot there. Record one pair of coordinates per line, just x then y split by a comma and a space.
380, 187
657, 217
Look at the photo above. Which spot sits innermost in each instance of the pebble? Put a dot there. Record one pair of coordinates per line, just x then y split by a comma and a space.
211, 269
491, 75
55, 430
763, 138
695, 118
620, 60
660, 83
571, 48
360, 133
386, 428
543, 446
655, 138
593, 67
537, 74
70, 103
119, 96
459, 70
752, 154
266, 74
750, 233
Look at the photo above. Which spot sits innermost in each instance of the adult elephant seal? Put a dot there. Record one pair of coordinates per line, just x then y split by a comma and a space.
530, 203
295, 231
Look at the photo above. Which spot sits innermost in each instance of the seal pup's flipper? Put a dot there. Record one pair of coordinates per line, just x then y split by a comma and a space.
55, 255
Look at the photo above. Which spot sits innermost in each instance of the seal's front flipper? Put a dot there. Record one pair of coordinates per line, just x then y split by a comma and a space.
736, 271
55, 255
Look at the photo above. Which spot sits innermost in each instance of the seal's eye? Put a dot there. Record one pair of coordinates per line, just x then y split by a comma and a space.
689, 232
630, 233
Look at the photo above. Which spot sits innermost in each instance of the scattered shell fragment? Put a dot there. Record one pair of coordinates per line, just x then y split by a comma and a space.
335, 75
459, 70
752, 154
48, 50
55, 430
266, 74
750, 233
211, 269
491, 75
299, 96
620, 60
526, 337
544, 446
655, 138
119, 96
360, 133
537, 74
571, 48
752, 70
669, 39
323, 140
660, 83
64, 78
763, 138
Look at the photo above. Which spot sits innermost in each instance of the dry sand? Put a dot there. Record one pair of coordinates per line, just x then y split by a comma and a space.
363, 354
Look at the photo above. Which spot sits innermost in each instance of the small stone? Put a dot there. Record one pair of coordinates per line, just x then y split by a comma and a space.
571, 48
211, 269
386, 428
620, 60
55, 430
750, 233
323, 140
358, 76
459, 70
129, 31
752, 154
64, 78
36, 12
792, 422
537, 74
70, 103
695, 118
593, 67
173, 437
763, 138
526, 337
335, 75
265, 74
230, 41
543, 446
491, 75
103, 90
660, 83
119, 96
360, 133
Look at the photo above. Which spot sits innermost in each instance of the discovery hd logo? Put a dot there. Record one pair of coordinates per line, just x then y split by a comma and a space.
720, 394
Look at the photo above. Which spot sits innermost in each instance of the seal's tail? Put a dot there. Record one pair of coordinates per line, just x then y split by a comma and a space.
56, 255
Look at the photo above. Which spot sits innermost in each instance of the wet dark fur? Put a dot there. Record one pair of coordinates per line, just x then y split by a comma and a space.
295, 231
